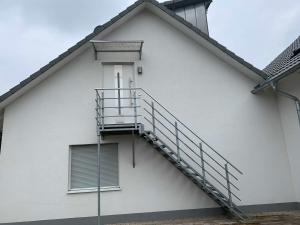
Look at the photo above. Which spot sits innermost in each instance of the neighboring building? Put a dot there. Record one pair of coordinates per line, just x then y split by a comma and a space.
150, 65
284, 77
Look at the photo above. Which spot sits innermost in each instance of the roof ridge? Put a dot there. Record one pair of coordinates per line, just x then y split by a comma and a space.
135, 4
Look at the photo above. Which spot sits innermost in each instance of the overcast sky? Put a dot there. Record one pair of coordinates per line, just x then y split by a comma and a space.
33, 32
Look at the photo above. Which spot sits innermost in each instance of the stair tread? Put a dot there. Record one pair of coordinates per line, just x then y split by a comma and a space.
186, 169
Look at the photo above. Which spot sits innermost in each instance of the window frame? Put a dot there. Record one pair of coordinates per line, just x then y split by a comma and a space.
91, 189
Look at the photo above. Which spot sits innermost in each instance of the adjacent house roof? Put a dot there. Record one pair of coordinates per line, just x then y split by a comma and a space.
282, 66
288, 59
24, 85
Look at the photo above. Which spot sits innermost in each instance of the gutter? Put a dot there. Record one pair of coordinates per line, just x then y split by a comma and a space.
273, 82
274, 79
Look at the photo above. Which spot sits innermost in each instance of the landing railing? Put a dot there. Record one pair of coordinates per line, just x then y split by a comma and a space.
135, 106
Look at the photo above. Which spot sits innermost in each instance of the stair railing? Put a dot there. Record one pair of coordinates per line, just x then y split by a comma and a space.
139, 107
111, 106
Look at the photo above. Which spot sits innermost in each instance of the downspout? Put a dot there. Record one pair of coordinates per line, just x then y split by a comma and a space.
273, 82
290, 96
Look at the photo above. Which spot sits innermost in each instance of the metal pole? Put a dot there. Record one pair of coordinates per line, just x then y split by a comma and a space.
119, 93
228, 184
133, 150
177, 142
153, 118
298, 110
135, 110
98, 186
98, 115
202, 163
102, 109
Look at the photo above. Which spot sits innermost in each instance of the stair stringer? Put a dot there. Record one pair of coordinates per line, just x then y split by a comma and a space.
215, 194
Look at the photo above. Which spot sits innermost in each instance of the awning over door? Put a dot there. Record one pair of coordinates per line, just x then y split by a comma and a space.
117, 46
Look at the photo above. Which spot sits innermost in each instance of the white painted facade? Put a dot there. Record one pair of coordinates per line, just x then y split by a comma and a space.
290, 126
207, 93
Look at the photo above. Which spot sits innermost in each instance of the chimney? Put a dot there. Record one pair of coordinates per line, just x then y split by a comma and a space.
193, 11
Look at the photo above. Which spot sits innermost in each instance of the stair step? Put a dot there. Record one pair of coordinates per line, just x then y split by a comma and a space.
191, 173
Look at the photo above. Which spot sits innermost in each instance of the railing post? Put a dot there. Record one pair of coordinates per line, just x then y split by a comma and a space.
98, 115
177, 142
228, 184
119, 94
102, 108
202, 164
153, 118
135, 109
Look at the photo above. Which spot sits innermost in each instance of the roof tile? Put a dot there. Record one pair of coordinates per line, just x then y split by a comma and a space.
285, 61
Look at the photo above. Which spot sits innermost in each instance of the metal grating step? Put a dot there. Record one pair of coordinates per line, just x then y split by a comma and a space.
121, 128
188, 171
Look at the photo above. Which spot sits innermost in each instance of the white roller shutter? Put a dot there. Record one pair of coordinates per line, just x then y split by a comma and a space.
84, 166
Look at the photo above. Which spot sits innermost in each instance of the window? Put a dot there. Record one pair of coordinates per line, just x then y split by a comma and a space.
83, 167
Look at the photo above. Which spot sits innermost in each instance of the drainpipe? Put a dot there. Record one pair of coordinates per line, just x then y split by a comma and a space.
288, 95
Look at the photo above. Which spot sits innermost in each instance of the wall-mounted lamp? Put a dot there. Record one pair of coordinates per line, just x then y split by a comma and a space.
140, 70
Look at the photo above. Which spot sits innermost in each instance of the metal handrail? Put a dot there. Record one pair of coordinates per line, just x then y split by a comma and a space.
207, 172
141, 89
199, 175
193, 133
179, 130
214, 169
189, 140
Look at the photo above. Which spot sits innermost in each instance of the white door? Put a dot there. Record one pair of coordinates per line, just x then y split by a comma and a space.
118, 77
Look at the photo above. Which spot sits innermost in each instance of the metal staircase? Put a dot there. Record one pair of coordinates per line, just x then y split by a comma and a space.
134, 111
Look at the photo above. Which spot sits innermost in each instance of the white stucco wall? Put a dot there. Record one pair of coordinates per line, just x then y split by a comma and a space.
210, 96
291, 127
215, 100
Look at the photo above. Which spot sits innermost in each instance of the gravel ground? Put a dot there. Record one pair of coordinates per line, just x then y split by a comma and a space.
279, 218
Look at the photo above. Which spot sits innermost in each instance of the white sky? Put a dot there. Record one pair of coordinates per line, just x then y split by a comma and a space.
33, 32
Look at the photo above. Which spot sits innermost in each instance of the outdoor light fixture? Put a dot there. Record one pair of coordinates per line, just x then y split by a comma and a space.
140, 70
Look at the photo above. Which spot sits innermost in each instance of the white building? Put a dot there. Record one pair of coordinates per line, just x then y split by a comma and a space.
167, 94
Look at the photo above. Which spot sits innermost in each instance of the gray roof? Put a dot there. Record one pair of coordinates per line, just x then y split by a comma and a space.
287, 60
99, 29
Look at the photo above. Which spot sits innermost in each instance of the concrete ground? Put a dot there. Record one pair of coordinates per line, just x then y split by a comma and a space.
278, 218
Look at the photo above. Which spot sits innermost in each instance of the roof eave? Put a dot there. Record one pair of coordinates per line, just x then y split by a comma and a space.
252, 69
275, 79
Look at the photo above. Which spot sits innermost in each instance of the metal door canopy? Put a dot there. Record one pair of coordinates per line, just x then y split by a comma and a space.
117, 46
